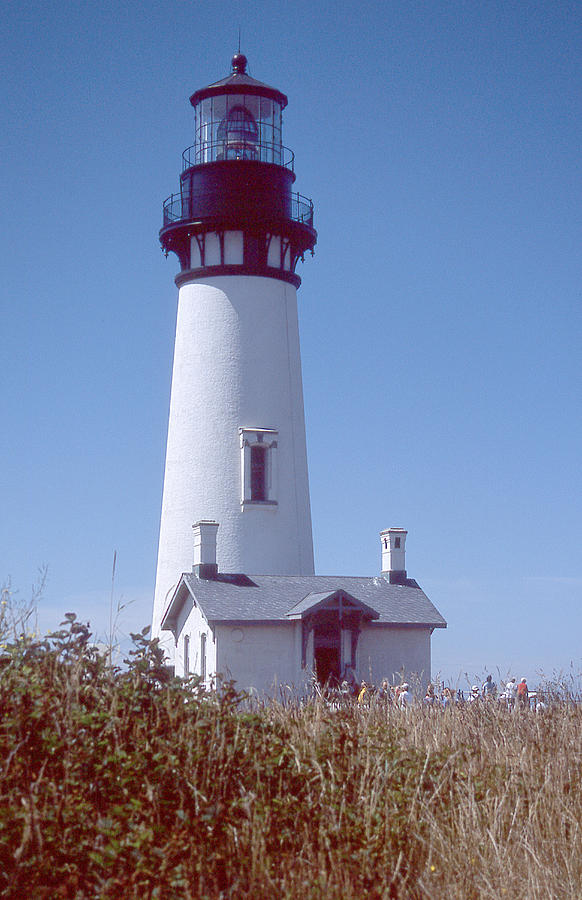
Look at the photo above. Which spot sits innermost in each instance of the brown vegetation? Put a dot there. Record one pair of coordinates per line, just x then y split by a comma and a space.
123, 784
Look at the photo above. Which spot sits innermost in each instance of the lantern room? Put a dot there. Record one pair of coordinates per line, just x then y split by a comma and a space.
238, 118
236, 186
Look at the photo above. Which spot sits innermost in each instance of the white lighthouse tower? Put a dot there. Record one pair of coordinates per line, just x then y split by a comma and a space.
236, 451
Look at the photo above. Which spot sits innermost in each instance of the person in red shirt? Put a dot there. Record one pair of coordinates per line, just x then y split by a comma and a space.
523, 694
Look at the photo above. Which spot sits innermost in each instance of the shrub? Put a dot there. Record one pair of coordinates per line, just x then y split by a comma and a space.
130, 783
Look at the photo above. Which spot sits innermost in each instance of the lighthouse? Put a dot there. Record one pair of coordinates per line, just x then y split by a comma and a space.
236, 450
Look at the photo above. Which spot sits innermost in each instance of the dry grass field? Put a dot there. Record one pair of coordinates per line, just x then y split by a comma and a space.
127, 784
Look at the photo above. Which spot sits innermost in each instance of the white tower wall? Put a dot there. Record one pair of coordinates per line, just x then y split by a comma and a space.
236, 366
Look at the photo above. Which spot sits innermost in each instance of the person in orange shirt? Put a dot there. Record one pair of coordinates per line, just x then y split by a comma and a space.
523, 694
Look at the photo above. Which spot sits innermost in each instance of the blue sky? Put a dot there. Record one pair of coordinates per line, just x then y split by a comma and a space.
440, 317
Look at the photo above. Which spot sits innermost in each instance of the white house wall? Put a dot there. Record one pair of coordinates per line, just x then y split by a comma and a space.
266, 656
386, 651
193, 624
262, 656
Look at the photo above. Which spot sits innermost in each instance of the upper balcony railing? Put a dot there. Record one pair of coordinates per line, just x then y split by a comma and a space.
177, 208
215, 151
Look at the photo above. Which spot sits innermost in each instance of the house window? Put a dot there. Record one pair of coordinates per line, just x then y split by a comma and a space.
203, 657
258, 466
186, 656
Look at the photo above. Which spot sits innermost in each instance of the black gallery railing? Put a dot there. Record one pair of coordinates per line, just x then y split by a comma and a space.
237, 147
177, 209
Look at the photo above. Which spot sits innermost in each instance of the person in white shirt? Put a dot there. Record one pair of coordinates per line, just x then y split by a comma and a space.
511, 693
404, 696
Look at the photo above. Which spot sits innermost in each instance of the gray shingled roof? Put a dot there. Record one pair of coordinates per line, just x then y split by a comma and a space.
272, 597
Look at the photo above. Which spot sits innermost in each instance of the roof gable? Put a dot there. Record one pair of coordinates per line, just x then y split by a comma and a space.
181, 595
335, 599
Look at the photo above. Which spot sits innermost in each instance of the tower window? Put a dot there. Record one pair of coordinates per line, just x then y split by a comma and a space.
258, 472
397, 543
258, 466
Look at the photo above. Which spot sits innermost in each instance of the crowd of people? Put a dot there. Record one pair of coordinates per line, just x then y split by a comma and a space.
514, 695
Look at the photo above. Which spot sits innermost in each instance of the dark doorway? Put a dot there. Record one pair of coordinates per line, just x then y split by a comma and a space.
326, 648
327, 666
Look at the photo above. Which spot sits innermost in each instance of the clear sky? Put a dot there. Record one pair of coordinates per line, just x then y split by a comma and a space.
440, 317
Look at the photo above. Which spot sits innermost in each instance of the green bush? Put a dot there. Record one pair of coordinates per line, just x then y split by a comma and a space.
129, 783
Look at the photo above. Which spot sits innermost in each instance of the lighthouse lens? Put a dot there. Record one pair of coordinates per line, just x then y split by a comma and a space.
239, 133
239, 126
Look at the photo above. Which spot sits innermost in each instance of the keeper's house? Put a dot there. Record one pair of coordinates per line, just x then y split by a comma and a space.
265, 631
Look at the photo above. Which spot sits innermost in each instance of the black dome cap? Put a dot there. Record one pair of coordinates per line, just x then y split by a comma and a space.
239, 63
238, 82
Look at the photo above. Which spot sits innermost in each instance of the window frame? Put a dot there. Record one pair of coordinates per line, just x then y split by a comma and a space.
186, 654
203, 656
266, 439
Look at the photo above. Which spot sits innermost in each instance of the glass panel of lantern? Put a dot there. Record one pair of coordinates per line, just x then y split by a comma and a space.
251, 131
250, 102
204, 134
266, 124
219, 111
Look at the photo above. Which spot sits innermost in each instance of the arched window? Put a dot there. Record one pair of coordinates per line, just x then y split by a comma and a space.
239, 133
